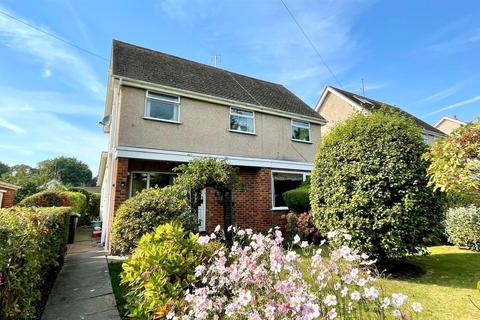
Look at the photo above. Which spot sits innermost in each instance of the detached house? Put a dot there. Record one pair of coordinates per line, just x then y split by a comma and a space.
337, 105
162, 111
447, 125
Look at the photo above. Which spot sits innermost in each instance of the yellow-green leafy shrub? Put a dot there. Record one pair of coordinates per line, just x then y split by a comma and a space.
161, 268
31, 242
57, 198
462, 226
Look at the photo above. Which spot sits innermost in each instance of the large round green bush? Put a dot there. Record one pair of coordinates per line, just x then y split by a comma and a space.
369, 179
298, 200
462, 226
145, 211
57, 198
161, 268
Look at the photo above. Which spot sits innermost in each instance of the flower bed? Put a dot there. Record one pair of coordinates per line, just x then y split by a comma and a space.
259, 279
32, 240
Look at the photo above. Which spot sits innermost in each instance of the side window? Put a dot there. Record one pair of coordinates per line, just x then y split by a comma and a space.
300, 131
242, 121
162, 107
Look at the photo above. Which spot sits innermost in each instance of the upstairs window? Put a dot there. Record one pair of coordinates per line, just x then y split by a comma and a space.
242, 121
300, 131
162, 107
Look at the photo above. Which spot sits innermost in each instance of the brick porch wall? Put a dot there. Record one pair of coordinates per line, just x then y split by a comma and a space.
8, 198
252, 208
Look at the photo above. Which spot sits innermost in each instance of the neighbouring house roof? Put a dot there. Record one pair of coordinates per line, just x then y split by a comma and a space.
147, 65
8, 185
372, 104
96, 189
448, 119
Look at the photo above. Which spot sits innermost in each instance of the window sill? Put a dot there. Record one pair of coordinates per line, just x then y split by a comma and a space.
302, 141
237, 131
161, 120
280, 209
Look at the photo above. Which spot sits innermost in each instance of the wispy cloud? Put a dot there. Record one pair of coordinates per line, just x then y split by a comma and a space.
440, 95
274, 41
454, 106
368, 86
24, 100
12, 127
49, 52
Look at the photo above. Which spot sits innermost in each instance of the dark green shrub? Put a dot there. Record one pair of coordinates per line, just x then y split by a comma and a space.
462, 226
93, 208
145, 211
45, 199
298, 200
369, 179
160, 269
32, 241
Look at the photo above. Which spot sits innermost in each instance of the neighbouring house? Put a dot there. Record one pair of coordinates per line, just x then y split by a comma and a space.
162, 111
337, 105
7, 194
447, 125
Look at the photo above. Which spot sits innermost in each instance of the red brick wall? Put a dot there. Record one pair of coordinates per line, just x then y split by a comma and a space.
120, 182
8, 197
252, 208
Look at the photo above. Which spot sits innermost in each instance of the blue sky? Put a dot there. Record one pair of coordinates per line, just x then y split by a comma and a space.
420, 55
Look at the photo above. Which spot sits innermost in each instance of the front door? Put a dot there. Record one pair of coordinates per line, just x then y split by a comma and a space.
202, 214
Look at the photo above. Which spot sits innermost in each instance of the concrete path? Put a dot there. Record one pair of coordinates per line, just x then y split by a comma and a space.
82, 290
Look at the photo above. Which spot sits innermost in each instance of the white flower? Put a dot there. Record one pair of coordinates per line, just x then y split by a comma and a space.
386, 303
170, 315
217, 228
203, 239
397, 313
331, 234
296, 239
330, 300
347, 236
213, 236
398, 299
304, 244
417, 307
344, 292
355, 295
332, 314
371, 293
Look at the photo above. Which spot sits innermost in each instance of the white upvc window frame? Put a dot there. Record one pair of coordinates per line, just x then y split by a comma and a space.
241, 115
272, 188
177, 103
131, 173
1, 197
307, 126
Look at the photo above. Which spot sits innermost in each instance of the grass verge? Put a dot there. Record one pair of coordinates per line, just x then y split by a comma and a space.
114, 269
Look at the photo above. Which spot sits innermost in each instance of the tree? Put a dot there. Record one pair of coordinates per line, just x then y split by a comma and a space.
68, 170
455, 164
26, 177
370, 180
4, 168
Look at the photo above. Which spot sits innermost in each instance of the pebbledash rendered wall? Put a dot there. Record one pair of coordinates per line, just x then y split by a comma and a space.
252, 207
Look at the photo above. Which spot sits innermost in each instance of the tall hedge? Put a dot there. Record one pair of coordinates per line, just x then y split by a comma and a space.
54, 198
369, 179
32, 241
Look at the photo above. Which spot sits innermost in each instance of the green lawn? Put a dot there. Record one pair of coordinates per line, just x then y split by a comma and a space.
446, 287
115, 268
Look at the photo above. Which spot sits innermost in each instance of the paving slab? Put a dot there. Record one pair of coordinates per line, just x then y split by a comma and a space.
82, 290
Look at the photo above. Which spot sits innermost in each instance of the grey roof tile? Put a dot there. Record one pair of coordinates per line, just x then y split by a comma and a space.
156, 67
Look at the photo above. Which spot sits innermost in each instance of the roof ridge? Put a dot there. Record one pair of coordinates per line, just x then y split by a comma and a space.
195, 62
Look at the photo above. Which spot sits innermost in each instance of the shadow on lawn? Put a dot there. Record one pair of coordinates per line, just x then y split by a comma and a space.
446, 266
